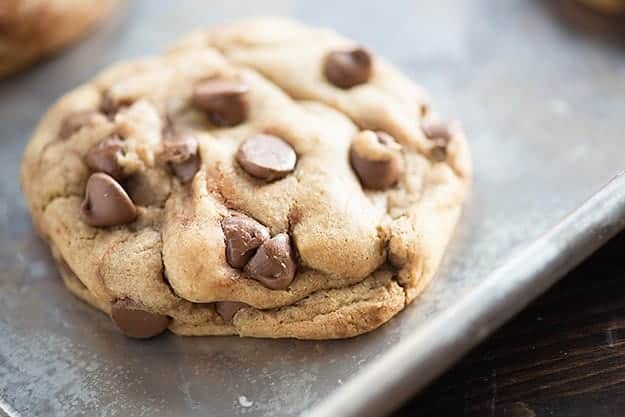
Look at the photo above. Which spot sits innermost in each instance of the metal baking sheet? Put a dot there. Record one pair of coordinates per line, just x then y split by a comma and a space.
543, 106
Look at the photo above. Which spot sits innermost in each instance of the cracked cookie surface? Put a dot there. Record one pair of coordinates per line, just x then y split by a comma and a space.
262, 178
30, 29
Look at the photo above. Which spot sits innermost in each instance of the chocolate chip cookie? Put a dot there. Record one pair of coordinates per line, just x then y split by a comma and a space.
261, 179
30, 29
607, 6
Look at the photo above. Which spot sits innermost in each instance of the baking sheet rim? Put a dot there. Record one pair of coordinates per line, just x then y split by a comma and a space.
419, 358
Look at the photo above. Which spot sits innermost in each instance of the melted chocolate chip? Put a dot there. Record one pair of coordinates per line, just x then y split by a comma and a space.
76, 121
106, 203
110, 106
266, 157
187, 170
378, 174
243, 236
107, 105
227, 309
224, 101
346, 69
438, 130
440, 134
102, 157
179, 149
439, 150
135, 321
273, 265
182, 155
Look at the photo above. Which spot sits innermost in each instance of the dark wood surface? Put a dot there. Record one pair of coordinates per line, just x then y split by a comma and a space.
563, 356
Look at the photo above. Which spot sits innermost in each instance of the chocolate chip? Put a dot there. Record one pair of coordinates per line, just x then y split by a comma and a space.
439, 151
134, 321
107, 105
106, 203
102, 157
187, 170
266, 157
243, 236
76, 121
378, 174
346, 69
227, 309
224, 101
110, 106
439, 130
179, 149
440, 134
181, 153
273, 264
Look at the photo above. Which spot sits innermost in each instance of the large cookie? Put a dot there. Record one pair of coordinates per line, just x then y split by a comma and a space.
263, 179
607, 6
30, 29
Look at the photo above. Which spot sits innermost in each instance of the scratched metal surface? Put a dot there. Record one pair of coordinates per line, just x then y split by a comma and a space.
543, 106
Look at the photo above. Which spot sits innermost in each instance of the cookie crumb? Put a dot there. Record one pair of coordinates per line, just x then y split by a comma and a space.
245, 402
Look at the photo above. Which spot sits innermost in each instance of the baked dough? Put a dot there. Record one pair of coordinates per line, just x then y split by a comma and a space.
262, 179
30, 29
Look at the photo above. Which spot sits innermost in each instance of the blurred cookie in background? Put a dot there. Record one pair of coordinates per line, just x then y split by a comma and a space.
606, 6
31, 29
601, 20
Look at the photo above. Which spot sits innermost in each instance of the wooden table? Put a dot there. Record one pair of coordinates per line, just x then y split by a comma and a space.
563, 356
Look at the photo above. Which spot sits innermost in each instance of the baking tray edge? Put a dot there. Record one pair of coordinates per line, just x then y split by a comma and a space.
411, 364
